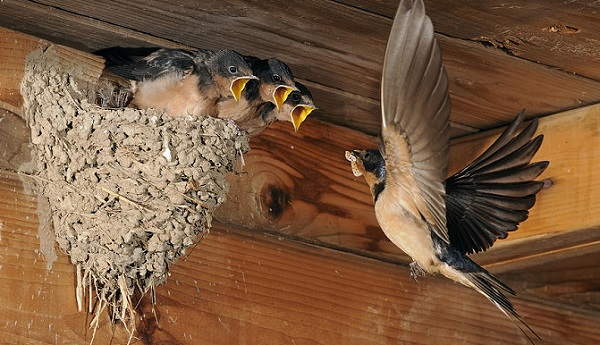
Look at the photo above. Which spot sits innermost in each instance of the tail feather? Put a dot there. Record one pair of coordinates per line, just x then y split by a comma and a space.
491, 287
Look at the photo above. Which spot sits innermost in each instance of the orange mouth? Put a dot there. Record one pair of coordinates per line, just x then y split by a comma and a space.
281, 93
238, 85
299, 114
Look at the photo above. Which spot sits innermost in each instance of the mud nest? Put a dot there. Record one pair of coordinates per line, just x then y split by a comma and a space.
129, 189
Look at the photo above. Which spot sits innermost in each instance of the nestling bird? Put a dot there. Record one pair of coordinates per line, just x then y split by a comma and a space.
438, 221
180, 81
274, 85
298, 105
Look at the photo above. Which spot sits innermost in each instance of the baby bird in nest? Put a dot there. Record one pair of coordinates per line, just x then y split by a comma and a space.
436, 220
179, 81
221, 84
296, 108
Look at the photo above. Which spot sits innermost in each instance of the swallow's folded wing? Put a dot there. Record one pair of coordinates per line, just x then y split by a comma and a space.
155, 64
415, 109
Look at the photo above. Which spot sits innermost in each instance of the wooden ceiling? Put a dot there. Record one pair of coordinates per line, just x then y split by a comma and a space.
502, 56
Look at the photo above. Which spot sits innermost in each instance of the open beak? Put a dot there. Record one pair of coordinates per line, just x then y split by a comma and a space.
281, 93
238, 85
299, 114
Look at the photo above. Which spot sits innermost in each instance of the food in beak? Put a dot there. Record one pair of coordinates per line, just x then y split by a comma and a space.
350, 156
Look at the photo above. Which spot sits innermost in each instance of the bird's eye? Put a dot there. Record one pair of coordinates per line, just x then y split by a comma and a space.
232, 69
295, 97
367, 156
276, 77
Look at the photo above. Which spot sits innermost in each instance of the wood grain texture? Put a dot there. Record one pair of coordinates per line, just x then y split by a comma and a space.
489, 87
563, 34
14, 47
345, 62
571, 276
241, 288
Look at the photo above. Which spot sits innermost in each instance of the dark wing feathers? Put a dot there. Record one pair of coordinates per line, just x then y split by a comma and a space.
492, 195
151, 63
415, 108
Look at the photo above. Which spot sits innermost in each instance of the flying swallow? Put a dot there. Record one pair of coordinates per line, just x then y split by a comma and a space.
439, 221
180, 81
274, 84
298, 105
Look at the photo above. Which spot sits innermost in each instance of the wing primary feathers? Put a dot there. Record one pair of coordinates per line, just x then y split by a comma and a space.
415, 108
491, 196
500, 142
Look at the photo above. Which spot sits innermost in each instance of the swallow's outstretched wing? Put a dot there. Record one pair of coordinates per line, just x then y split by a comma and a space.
151, 63
492, 195
415, 109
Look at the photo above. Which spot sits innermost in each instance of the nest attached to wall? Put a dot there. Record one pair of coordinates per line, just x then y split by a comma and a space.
129, 189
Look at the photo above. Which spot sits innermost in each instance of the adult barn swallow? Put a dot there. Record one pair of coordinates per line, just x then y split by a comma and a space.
275, 83
180, 81
438, 221
298, 105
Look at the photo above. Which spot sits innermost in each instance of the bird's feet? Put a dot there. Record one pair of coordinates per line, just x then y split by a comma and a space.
416, 270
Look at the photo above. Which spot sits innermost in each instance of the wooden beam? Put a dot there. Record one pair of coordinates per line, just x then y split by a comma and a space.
570, 276
300, 185
552, 32
237, 287
345, 62
14, 47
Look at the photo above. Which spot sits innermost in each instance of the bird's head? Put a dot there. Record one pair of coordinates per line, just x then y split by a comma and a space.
276, 80
230, 72
368, 163
298, 105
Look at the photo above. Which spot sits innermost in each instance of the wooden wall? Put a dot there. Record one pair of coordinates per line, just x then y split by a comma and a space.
315, 254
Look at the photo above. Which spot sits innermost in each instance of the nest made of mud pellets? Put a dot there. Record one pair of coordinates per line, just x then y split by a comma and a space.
129, 190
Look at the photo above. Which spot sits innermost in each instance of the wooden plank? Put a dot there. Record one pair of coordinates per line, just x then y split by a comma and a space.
569, 277
241, 288
346, 59
519, 253
489, 87
553, 32
14, 47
